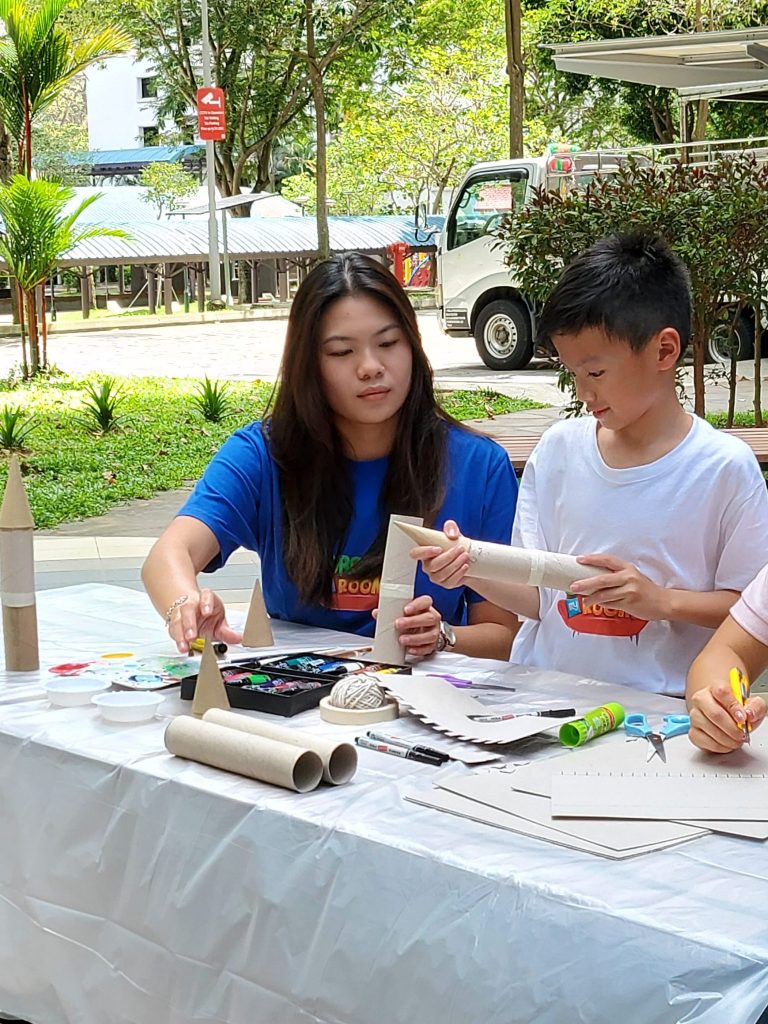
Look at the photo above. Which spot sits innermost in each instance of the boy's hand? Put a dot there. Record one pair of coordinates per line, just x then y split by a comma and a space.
716, 718
622, 588
202, 614
445, 568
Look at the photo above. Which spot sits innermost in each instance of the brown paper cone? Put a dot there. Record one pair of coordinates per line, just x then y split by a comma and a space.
253, 756
257, 631
20, 635
209, 688
339, 759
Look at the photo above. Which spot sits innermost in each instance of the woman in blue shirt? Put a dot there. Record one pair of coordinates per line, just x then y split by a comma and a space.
354, 435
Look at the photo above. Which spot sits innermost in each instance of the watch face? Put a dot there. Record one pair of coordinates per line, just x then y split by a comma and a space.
447, 630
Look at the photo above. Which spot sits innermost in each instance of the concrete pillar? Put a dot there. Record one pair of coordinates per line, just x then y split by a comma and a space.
168, 287
282, 280
151, 291
200, 281
254, 265
85, 293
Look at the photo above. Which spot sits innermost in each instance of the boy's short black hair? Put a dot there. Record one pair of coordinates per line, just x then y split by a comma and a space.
631, 285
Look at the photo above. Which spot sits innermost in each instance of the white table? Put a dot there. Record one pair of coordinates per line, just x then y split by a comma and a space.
137, 888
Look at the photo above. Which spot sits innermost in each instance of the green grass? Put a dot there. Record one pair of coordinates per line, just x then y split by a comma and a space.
740, 419
164, 443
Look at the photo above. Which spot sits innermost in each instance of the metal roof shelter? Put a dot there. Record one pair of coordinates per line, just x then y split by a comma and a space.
254, 238
681, 61
111, 163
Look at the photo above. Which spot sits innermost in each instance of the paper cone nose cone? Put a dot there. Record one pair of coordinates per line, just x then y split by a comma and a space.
15, 513
421, 535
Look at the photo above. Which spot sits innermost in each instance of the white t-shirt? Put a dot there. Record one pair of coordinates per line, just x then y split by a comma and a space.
751, 610
695, 519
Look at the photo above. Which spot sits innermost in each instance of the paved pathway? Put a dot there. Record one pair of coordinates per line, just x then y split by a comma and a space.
111, 548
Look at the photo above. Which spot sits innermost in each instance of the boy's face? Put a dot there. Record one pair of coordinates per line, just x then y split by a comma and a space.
618, 385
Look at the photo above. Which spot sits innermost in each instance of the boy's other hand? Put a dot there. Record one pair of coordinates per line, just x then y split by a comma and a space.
622, 588
717, 717
445, 568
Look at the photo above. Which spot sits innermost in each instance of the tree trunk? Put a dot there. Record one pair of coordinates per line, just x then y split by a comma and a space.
34, 349
513, 20
758, 396
699, 345
321, 170
6, 160
20, 307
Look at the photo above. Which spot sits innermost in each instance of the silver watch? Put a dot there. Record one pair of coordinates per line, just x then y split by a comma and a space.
447, 639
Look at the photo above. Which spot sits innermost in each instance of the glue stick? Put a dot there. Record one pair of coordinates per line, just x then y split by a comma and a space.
603, 719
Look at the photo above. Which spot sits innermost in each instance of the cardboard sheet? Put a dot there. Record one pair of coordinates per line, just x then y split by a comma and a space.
447, 709
451, 803
720, 793
494, 789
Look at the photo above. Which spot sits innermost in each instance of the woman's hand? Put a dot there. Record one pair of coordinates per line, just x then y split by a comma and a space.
419, 627
717, 717
202, 614
445, 568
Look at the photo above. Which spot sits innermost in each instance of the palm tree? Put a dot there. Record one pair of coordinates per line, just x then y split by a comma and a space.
36, 234
38, 58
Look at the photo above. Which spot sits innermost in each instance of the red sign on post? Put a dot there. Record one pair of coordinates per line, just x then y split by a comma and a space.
211, 114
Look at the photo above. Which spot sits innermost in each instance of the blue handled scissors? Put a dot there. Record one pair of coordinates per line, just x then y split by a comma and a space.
673, 725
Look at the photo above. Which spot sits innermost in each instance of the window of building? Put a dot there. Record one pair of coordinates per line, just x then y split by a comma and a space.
148, 88
150, 136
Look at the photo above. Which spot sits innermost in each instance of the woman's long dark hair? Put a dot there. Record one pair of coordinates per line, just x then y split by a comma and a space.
315, 481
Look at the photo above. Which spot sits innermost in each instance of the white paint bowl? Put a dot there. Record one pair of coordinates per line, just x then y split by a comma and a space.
128, 705
73, 690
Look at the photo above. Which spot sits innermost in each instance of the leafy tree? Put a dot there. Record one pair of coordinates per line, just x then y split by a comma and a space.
167, 185
37, 234
38, 59
730, 197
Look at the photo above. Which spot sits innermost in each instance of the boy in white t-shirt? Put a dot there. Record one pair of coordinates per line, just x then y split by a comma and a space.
677, 510
741, 642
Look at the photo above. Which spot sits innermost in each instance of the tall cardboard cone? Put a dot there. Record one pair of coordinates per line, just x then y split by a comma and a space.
398, 575
257, 631
209, 688
17, 576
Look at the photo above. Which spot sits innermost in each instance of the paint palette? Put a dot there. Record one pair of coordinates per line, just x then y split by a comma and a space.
130, 673
286, 684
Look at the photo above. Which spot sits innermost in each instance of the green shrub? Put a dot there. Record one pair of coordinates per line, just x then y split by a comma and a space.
100, 407
15, 427
213, 400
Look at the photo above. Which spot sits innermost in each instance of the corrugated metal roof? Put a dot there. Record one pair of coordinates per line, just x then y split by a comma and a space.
247, 238
133, 158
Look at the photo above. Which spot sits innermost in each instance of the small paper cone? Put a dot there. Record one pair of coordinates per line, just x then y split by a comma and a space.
209, 688
15, 513
257, 631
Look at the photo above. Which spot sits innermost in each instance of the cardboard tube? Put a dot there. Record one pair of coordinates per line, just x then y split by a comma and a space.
253, 756
505, 564
339, 759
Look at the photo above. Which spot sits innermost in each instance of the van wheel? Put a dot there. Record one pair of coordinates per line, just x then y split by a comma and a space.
503, 335
721, 340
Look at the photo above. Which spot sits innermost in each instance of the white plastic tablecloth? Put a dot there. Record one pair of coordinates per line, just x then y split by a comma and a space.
137, 888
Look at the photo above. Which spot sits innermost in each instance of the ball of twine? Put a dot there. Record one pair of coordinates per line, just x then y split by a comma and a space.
358, 692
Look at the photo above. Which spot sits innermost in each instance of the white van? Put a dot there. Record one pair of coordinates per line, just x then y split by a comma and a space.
477, 292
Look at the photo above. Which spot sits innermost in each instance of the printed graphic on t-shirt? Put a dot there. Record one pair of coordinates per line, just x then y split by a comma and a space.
582, 617
353, 593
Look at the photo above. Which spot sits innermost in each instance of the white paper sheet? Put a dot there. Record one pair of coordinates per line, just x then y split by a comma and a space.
446, 708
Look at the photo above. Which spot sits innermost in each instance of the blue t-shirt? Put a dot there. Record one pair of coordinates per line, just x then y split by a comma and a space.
238, 499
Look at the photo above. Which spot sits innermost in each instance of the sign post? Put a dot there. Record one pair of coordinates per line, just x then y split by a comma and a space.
214, 273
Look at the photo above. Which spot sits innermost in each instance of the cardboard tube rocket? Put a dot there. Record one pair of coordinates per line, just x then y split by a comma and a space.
17, 576
505, 564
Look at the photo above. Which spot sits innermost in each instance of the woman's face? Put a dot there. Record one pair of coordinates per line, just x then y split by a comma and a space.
365, 363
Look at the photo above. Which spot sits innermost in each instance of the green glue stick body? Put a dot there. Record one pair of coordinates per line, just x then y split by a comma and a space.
603, 719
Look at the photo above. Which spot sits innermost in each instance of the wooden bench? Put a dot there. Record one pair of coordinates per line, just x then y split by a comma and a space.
520, 446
